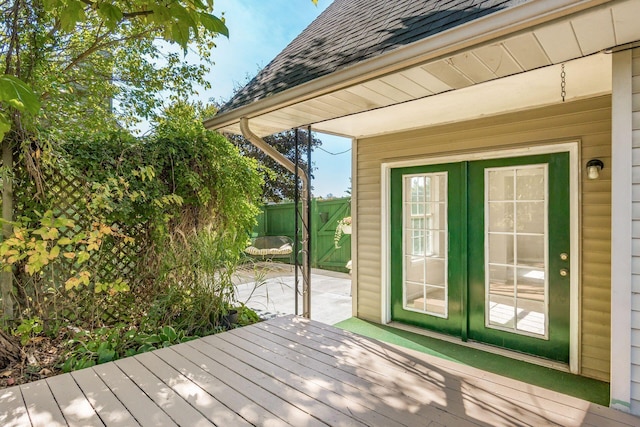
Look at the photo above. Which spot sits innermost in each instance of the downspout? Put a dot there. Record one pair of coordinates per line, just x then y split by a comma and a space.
291, 167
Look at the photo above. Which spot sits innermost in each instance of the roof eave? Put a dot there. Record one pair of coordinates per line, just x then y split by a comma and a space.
473, 33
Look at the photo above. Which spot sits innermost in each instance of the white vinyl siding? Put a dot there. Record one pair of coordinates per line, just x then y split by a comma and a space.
588, 121
635, 249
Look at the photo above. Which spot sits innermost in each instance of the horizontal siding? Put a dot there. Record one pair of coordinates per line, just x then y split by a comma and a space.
588, 121
635, 262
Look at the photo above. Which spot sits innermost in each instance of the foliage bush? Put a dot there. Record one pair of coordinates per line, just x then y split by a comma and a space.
194, 197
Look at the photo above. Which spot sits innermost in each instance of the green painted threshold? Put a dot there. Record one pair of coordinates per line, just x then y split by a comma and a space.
584, 388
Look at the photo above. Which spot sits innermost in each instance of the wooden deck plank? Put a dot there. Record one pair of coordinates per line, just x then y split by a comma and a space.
434, 388
561, 408
586, 413
275, 402
75, 407
583, 412
41, 405
383, 400
386, 399
311, 384
141, 407
319, 410
430, 393
293, 372
13, 412
180, 411
216, 393
215, 411
108, 407
473, 390
460, 396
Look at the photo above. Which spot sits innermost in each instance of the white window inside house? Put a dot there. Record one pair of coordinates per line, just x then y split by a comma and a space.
425, 243
516, 249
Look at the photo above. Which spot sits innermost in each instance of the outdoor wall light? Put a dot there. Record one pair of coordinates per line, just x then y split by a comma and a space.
594, 166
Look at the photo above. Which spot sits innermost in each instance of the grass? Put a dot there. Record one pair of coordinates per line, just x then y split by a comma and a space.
584, 388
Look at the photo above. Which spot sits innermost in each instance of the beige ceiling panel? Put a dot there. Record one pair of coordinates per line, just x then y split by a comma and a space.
358, 102
526, 50
295, 112
498, 60
559, 42
272, 120
594, 31
388, 90
339, 106
426, 80
405, 84
444, 71
326, 105
371, 95
626, 21
472, 67
316, 109
589, 76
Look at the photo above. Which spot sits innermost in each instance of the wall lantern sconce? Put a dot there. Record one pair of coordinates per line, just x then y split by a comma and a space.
594, 166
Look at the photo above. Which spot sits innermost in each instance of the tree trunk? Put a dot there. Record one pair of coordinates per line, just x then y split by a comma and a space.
9, 350
6, 277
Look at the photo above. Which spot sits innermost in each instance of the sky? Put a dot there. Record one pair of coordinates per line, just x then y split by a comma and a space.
258, 31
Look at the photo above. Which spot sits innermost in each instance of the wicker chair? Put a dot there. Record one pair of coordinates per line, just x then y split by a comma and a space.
271, 247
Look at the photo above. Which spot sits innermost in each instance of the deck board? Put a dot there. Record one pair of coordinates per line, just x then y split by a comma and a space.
106, 405
443, 390
75, 407
164, 396
218, 394
13, 412
456, 393
41, 405
320, 410
294, 376
292, 372
141, 407
370, 394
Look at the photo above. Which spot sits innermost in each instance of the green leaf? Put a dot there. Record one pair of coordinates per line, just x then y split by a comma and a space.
5, 126
145, 347
83, 256
55, 252
110, 13
170, 333
214, 24
178, 33
73, 13
17, 94
105, 355
64, 241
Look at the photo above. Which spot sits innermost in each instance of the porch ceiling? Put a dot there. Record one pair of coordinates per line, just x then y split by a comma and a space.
409, 98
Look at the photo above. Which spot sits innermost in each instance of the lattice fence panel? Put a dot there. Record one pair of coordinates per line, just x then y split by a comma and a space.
66, 195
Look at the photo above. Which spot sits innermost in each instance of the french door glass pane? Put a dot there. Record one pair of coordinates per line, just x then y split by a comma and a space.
425, 243
516, 250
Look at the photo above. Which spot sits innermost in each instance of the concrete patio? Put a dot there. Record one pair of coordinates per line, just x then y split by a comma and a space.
269, 288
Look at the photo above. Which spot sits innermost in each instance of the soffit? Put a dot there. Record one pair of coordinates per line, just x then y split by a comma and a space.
576, 36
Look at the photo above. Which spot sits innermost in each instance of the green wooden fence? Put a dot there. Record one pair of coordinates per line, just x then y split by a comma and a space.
278, 220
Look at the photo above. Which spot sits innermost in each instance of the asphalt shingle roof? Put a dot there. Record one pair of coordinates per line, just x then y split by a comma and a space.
350, 31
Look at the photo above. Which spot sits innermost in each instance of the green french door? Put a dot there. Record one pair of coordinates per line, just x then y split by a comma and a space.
481, 249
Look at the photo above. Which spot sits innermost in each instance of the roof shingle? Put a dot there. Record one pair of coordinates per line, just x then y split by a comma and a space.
351, 31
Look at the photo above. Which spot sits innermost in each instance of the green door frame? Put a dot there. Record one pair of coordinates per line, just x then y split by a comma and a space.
574, 177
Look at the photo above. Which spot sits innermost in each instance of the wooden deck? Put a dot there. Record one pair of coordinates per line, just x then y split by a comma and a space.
292, 372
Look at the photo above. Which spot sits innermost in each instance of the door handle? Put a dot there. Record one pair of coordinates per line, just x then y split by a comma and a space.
564, 272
